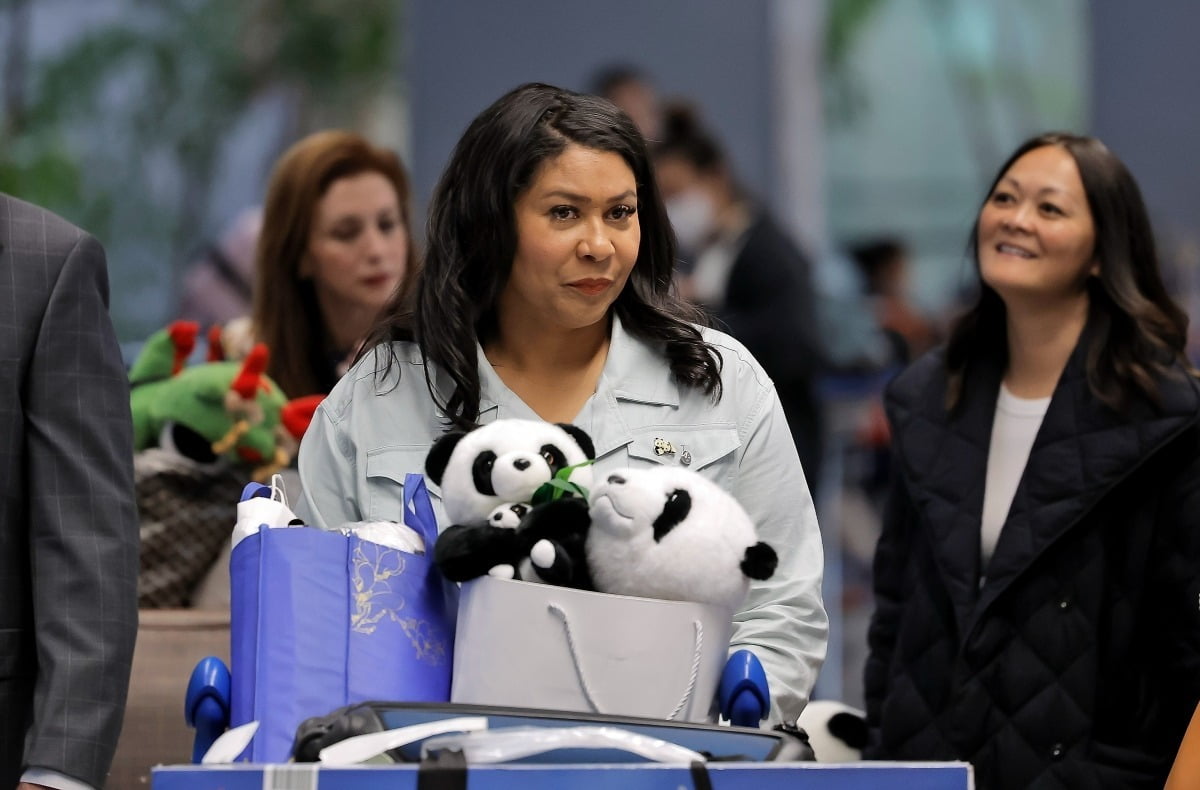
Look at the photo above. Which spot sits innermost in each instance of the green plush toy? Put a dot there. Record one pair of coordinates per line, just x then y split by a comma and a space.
218, 409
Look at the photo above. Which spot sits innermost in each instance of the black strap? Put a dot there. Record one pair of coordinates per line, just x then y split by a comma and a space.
443, 770
228, 271
447, 770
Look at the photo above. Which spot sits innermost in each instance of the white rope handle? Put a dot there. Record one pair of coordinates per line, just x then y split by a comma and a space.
586, 687
587, 691
691, 686
277, 490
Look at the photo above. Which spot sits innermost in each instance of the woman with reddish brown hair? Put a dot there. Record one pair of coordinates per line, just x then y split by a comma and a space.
335, 246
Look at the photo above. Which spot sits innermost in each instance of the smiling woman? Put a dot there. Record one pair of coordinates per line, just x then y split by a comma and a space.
578, 238
1037, 573
1036, 235
546, 293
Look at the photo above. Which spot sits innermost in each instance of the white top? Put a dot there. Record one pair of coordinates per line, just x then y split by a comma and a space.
1013, 431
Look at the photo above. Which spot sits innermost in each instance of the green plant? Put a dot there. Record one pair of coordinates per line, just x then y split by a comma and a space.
123, 131
845, 21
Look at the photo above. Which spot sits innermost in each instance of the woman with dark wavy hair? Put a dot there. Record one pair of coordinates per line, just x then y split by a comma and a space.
546, 294
1037, 578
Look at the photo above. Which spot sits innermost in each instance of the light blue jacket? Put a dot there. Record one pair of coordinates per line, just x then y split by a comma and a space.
369, 433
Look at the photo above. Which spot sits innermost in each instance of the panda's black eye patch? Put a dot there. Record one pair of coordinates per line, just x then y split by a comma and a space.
555, 458
674, 512
481, 471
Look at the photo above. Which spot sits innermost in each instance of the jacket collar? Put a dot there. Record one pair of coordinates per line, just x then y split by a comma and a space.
637, 371
1082, 449
634, 372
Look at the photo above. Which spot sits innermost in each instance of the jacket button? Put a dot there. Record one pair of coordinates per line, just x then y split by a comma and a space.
1056, 751
1064, 604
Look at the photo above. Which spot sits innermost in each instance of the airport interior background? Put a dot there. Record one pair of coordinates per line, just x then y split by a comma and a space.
154, 125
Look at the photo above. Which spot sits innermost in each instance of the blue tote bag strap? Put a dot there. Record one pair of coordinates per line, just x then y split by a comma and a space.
418, 510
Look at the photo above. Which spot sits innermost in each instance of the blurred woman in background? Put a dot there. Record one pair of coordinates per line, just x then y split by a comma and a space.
335, 246
744, 270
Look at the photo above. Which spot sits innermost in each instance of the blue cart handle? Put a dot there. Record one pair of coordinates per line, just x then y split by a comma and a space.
743, 694
206, 705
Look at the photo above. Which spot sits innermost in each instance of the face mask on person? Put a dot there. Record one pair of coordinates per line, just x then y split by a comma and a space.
692, 214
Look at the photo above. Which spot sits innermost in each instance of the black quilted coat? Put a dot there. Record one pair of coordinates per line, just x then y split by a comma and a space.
1073, 659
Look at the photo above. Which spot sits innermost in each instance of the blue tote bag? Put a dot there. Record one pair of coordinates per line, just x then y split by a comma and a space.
320, 620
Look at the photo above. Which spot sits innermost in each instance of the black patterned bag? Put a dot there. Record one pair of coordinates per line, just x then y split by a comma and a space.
186, 511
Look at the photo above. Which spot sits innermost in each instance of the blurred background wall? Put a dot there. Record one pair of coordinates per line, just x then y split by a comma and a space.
1144, 82
156, 124
461, 57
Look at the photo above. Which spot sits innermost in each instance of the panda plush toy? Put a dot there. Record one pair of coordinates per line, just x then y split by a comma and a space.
836, 731
488, 477
550, 543
668, 532
509, 515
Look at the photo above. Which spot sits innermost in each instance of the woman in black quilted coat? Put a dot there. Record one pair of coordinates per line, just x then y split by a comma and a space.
1038, 576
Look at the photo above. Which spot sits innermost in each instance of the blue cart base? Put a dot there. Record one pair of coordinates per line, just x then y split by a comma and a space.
724, 776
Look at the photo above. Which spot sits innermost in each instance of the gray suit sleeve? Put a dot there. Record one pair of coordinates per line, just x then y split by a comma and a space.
83, 525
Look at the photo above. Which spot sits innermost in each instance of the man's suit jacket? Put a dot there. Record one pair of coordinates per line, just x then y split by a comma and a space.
68, 523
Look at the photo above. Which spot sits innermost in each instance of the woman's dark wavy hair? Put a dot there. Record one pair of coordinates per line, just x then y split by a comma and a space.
1137, 333
472, 239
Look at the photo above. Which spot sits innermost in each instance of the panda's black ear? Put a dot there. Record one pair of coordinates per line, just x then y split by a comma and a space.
581, 438
439, 455
760, 561
849, 729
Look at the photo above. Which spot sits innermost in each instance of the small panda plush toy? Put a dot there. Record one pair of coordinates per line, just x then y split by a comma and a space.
836, 731
488, 477
668, 532
549, 544
508, 515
